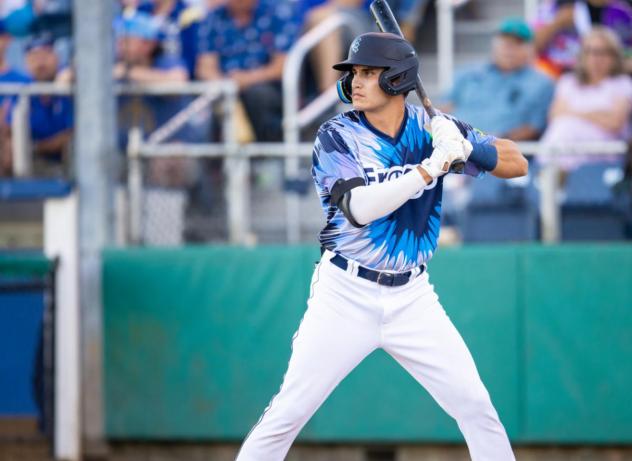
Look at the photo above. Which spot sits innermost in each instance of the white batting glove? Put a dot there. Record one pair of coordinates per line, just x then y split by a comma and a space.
447, 136
446, 153
442, 157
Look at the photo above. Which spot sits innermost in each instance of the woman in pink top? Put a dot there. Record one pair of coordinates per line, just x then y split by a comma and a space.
594, 102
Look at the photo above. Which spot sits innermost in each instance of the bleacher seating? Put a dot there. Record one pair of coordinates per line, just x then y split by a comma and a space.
501, 211
589, 211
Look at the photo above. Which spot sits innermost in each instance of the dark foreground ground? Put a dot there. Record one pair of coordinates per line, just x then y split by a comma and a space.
34, 449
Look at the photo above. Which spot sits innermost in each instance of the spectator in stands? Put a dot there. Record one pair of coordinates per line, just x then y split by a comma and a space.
140, 60
593, 103
562, 23
139, 56
178, 23
330, 50
247, 41
51, 117
7, 75
506, 97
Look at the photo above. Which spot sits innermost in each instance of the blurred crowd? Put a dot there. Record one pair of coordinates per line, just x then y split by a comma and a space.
169, 41
563, 77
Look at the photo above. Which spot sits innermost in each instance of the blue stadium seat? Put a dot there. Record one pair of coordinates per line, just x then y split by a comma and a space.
501, 211
589, 211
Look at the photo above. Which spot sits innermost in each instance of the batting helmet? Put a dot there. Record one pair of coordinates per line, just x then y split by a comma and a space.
379, 49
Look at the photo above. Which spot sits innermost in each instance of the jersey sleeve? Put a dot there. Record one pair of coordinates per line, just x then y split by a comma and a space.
475, 136
333, 159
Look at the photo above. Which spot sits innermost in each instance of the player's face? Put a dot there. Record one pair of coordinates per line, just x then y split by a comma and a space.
367, 95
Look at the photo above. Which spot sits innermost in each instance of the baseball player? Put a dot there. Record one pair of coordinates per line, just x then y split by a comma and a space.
379, 172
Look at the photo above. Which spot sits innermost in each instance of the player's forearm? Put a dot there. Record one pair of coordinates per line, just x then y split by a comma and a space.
511, 163
368, 203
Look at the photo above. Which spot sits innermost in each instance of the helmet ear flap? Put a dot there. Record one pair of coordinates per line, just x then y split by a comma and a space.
385, 83
398, 81
344, 87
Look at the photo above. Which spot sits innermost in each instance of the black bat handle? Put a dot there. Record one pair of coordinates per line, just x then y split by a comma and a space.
384, 17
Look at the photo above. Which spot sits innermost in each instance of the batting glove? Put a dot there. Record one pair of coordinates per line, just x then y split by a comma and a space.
447, 136
444, 155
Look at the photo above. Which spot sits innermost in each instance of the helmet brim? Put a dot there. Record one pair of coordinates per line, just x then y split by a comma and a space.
348, 64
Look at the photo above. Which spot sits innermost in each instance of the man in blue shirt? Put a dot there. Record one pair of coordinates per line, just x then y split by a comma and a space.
506, 97
51, 116
247, 41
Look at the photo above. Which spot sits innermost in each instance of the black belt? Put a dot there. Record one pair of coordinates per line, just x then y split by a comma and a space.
388, 279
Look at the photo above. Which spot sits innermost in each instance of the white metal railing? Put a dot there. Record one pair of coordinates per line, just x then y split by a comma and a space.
21, 139
549, 206
445, 43
237, 156
531, 9
295, 118
236, 167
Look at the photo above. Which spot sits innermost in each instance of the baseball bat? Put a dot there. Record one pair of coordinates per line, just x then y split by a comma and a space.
386, 22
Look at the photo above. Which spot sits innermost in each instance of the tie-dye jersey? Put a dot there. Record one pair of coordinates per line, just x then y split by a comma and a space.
346, 147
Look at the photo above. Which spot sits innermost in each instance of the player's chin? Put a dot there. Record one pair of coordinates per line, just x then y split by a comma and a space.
360, 104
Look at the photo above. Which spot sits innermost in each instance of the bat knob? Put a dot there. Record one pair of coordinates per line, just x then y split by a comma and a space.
457, 167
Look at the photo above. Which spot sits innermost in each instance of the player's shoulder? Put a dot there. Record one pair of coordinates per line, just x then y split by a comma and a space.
417, 113
341, 122
338, 133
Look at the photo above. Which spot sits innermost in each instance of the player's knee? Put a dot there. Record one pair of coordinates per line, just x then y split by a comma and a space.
292, 418
474, 401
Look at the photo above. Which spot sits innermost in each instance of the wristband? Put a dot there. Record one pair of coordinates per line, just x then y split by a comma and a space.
484, 156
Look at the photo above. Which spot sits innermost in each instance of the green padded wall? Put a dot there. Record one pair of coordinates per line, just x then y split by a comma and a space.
197, 341
579, 344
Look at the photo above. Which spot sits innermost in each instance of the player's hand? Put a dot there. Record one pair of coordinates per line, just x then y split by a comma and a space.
442, 157
447, 136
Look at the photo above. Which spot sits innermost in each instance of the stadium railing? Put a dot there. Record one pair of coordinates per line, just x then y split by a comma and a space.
237, 156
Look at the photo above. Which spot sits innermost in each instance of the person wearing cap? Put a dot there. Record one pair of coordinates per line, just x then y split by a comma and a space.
139, 57
7, 75
51, 116
506, 97
142, 59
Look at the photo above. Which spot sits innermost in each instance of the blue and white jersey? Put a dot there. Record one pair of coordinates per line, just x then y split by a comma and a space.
348, 146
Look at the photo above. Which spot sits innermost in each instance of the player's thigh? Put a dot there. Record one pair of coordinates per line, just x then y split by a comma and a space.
328, 343
431, 349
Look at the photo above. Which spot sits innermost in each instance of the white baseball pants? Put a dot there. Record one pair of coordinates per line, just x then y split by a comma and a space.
347, 318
